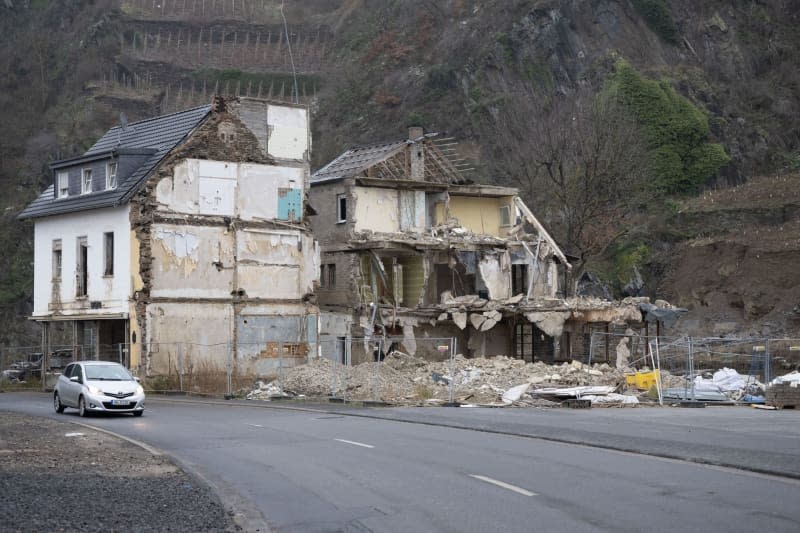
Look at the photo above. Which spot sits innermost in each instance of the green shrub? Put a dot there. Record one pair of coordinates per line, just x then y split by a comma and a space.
678, 137
507, 45
657, 16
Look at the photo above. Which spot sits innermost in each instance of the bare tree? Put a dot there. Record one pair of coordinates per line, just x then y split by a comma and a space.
580, 161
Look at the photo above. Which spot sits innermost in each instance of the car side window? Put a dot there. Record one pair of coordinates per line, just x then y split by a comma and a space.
78, 371
68, 371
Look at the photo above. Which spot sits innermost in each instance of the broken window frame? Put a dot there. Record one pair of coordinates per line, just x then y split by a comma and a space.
341, 208
519, 279
111, 175
57, 258
62, 184
505, 216
108, 254
82, 267
86, 180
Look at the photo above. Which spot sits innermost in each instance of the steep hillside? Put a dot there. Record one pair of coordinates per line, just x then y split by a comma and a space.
679, 96
735, 268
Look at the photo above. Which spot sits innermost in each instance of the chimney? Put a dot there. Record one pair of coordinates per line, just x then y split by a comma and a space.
218, 104
416, 154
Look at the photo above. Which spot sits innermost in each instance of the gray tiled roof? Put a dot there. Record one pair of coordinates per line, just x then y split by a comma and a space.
159, 133
356, 160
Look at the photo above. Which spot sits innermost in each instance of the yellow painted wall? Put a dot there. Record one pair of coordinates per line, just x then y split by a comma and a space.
413, 279
479, 215
135, 349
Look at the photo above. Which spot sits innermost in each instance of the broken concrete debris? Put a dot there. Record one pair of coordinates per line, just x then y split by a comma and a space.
499, 381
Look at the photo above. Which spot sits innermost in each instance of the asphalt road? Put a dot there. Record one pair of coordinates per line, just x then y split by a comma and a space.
309, 471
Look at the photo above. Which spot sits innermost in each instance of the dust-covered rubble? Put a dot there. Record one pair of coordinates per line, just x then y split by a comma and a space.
403, 379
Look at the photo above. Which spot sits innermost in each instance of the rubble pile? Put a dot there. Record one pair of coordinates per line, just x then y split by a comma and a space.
403, 379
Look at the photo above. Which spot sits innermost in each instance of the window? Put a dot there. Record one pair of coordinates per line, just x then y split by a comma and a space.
82, 270
108, 254
341, 347
111, 175
86, 181
331, 282
341, 208
328, 276
519, 279
57, 260
523, 342
505, 215
62, 184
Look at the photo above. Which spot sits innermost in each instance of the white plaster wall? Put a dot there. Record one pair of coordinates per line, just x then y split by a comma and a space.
245, 190
276, 264
191, 261
495, 272
376, 209
112, 291
288, 132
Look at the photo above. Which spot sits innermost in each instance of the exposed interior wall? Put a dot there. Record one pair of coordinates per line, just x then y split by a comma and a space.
479, 215
412, 210
220, 229
192, 261
376, 209
202, 329
282, 131
244, 190
274, 336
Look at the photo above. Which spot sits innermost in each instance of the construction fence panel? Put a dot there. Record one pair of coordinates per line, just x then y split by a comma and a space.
784, 355
687, 368
21, 367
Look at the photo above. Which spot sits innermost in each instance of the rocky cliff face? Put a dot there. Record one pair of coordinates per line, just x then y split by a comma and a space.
369, 68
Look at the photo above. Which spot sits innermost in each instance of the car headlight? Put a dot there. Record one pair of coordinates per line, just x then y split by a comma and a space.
139, 390
93, 389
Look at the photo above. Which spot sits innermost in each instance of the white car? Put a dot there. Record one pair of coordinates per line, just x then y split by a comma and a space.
98, 386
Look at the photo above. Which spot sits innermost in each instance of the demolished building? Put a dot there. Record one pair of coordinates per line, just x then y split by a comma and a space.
182, 240
410, 250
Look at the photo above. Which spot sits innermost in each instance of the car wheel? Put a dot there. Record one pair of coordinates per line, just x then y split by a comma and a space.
57, 404
138, 413
82, 411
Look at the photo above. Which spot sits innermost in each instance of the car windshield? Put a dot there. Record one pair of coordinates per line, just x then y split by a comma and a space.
107, 373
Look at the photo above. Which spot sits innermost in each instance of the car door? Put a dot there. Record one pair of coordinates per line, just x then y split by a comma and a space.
72, 388
64, 385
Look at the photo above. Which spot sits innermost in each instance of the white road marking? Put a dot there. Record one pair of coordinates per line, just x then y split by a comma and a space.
355, 443
255, 425
75, 434
505, 485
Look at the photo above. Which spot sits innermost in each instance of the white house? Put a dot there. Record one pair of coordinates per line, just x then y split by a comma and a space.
178, 235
